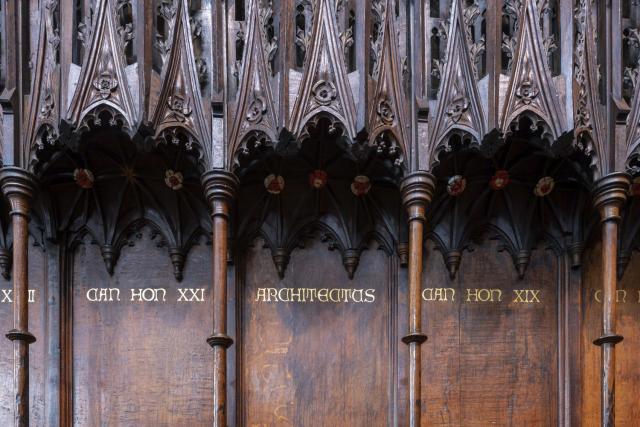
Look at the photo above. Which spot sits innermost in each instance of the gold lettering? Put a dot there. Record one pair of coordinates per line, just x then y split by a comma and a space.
427, 294
484, 295
296, 294
331, 295
261, 294
369, 295
453, 293
597, 295
272, 292
355, 292
280, 294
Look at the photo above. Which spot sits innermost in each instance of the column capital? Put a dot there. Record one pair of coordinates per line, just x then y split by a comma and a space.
417, 190
19, 186
220, 184
610, 194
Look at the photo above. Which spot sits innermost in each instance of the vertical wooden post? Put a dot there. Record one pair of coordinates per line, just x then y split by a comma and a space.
19, 187
610, 194
220, 189
417, 191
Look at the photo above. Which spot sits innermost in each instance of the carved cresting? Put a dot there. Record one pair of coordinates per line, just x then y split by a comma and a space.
19, 188
417, 190
220, 188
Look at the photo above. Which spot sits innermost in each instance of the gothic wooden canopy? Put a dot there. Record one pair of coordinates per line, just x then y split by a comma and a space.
394, 121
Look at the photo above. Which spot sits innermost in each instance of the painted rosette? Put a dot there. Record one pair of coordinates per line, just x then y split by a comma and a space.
274, 183
83, 177
173, 179
499, 180
456, 185
360, 185
318, 179
544, 186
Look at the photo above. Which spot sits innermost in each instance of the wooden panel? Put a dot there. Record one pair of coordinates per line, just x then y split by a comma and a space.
627, 370
37, 280
141, 363
316, 363
490, 363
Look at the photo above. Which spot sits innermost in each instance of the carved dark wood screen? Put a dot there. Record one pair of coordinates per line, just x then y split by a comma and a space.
319, 212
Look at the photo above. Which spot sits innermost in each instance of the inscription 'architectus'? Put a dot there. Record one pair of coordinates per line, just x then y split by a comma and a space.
325, 295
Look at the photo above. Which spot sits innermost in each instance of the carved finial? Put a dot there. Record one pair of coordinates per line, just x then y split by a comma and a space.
403, 253
177, 259
452, 260
109, 257
575, 252
350, 260
5, 263
281, 260
522, 262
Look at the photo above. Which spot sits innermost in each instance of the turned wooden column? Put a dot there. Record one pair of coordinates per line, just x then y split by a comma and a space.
417, 191
19, 187
220, 189
610, 194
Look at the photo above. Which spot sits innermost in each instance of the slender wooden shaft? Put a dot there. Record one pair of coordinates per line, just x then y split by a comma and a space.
416, 229
417, 190
220, 228
220, 189
609, 196
18, 186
